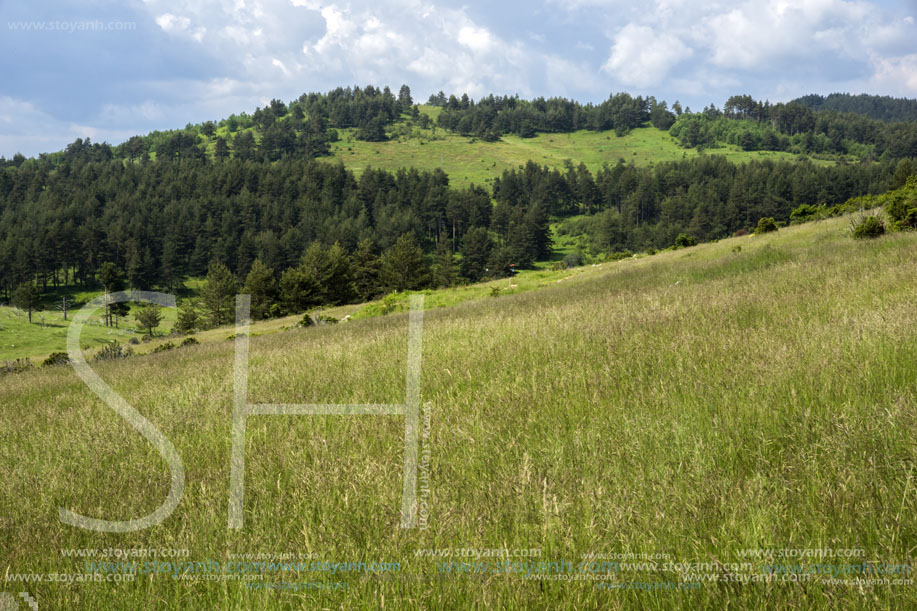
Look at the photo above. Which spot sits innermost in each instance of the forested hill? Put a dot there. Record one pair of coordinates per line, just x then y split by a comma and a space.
255, 189
879, 107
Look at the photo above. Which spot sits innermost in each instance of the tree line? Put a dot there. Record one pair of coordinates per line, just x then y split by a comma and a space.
797, 128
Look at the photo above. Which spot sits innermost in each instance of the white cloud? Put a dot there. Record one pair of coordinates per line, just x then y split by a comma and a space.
172, 23
641, 57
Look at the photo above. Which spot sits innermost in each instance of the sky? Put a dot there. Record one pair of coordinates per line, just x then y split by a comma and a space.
109, 70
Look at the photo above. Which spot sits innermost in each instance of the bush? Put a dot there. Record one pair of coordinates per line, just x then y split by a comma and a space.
574, 259
558, 266
56, 358
163, 347
17, 366
133, 341
625, 254
113, 351
766, 225
909, 221
803, 213
189, 341
870, 227
684, 241
306, 321
739, 233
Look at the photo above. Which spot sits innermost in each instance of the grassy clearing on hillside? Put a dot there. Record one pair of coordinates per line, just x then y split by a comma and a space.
695, 404
468, 161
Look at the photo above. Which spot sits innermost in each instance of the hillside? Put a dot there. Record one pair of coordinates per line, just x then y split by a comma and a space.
880, 107
750, 394
469, 160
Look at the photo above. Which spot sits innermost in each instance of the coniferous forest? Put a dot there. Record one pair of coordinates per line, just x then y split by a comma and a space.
165, 207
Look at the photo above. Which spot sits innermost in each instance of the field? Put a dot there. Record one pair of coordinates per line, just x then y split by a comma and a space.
751, 394
467, 160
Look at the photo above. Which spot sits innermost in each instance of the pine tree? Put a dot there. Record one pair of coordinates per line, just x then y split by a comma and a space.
219, 294
262, 287
365, 268
476, 249
148, 316
26, 297
403, 266
188, 318
444, 270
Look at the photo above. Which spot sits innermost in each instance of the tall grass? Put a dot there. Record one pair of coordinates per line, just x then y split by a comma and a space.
695, 403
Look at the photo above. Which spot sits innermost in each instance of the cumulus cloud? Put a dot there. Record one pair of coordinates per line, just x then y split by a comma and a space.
641, 57
192, 61
771, 46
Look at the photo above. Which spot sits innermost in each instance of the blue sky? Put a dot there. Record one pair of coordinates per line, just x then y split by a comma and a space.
109, 70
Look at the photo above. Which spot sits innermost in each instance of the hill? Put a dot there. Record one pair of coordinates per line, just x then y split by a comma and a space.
880, 107
696, 409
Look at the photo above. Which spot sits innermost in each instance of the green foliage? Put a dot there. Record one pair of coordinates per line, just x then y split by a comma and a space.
365, 268
574, 259
766, 225
56, 358
806, 212
403, 267
188, 319
298, 290
113, 351
476, 249
26, 297
444, 270
189, 341
870, 226
218, 294
262, 286
148, 316
684, 240
163, 347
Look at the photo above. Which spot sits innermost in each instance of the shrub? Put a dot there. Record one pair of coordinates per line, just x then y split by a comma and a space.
574, 259
163, 347
766, 225
133, 341
17, 366
113, 351
739, 233
56, 358
909, 221
306, 321
495, 291
684, 241
803, 213
558, 266
870, 227
189, 341
625, 254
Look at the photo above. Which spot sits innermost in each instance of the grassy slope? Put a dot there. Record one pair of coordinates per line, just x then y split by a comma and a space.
694, 403
467, 161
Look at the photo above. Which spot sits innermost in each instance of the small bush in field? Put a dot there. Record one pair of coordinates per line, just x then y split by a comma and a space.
684, 241
766, 225
163, 347
870, 227
56, 358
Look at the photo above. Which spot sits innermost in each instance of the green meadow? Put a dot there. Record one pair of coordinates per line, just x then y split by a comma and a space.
468, 160
700, 419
